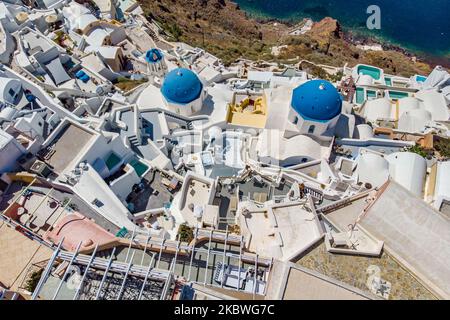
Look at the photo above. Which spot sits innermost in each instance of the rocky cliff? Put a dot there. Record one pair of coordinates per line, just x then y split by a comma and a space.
222, 28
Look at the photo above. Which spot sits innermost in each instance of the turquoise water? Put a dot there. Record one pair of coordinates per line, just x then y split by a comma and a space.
422, 26
140, 167
360, 97
369, 71
421, 78
395, 95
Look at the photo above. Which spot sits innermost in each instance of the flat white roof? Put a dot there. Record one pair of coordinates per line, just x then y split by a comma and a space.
283, 232
259, 76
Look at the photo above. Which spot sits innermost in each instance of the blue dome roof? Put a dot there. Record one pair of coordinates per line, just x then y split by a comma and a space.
317, 100
153, 56
181, 86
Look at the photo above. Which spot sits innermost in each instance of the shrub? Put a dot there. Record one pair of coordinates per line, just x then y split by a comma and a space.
33, 280
185, 233
418, 150
443, 147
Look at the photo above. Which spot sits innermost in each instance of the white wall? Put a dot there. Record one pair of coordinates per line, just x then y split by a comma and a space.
123, 185
11, 150
187, 109
304, 126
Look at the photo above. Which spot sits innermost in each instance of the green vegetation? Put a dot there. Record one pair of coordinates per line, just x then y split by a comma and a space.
314, 70
32, 282
336, 77
443, 147
173, 30
126, 84
185, 233
418, 150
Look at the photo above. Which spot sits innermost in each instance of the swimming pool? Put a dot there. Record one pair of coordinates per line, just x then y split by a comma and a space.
388, 81
395, 95
370, 71
141, 168
360, 97
421, 78
371, 95
112, 161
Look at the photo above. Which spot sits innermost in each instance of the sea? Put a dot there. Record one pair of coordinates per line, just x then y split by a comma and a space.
419, 26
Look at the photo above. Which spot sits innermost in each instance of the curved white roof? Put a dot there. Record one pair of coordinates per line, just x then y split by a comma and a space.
365, 79
85, 20
150, 97
97, 37
8, 89
78, 16
435, 103
372, 168
7, 114
408, 104
414, 120
408, 169
215, 132
272, 144
378, 109
364, 131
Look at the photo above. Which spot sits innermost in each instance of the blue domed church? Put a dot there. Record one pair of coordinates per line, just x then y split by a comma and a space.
183, 91
155, 62
315, 108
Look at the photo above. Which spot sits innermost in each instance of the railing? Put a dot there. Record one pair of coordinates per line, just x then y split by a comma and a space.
314, 193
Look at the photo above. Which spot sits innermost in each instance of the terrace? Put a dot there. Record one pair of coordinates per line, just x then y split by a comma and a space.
247, 110
259, 189
18, 254
196, 193
156, 192
32, 208
281, 231
62, 151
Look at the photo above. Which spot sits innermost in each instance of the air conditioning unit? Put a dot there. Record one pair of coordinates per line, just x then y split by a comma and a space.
41, 169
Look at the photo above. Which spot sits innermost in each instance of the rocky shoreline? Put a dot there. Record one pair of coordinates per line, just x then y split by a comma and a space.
364, 40
233, 33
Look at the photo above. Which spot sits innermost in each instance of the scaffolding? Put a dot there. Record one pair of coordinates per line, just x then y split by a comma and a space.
109, 269
109, 278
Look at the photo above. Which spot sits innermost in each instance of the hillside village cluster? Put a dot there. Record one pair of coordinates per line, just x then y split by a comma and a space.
137, 168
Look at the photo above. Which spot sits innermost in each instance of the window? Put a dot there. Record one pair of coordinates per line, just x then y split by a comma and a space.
295, 120
311, 129
12, 93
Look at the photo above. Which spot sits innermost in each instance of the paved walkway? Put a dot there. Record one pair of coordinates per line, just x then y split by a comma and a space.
17, 254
